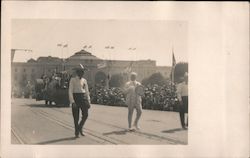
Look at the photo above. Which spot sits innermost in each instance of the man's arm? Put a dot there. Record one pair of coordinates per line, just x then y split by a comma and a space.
87, 90
178, 92
71, 99
126, 88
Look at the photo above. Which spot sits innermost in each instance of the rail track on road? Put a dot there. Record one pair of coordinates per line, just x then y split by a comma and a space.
100, 139
168, 140
17, 136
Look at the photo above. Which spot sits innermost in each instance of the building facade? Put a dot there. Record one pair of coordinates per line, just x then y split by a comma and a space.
98, 69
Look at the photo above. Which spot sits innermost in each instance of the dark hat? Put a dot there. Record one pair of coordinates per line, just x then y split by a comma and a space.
80, 67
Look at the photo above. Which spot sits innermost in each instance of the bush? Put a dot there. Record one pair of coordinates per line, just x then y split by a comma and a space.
155, 78
116, 80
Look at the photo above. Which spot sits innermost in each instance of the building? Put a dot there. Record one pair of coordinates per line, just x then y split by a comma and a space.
99, 70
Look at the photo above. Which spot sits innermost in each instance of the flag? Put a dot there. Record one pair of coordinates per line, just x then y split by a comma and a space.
173, 61
59, 45
90, 46
112, 47
102, 65
107, 47
66, 45
173, 65
128, 69
85, 46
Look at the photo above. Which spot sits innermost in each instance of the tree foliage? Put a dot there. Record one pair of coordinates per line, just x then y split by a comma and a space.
155, 78
117, 80
179, 71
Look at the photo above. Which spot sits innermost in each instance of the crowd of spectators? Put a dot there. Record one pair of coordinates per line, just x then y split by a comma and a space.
107, 96
157, 97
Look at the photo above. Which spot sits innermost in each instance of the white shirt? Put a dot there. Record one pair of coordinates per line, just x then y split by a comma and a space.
182, 90
77, 85
132, 99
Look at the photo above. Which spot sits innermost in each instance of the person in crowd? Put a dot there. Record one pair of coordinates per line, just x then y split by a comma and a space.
133, 101
182, 95
79, 99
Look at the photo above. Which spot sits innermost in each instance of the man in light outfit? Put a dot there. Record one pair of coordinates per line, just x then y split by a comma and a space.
182, 95
133, 100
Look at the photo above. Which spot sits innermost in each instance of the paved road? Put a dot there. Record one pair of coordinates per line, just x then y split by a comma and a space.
32, 122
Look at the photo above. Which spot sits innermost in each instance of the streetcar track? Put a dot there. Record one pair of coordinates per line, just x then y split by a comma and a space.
138, 133
88, 131
19, 139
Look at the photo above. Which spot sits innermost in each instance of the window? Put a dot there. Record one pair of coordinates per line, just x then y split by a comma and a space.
15, 69
15, 78
24, 70
32, 70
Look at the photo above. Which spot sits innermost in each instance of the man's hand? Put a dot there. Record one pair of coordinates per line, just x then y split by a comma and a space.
181, 102
73, 105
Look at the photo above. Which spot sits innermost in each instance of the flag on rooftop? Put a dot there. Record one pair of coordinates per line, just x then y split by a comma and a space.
59, 45
66, 45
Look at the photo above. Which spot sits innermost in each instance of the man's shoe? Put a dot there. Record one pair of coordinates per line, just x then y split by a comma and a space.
76, 136
137, 127
131, 129
82, 133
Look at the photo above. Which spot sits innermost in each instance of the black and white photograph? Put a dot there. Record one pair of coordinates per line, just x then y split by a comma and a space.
124, 79
99, 82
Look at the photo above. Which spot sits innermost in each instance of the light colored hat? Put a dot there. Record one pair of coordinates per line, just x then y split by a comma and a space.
133, 74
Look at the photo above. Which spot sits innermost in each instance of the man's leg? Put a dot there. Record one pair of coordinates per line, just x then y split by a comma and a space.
185, 107
84, 118
130, 115
75, 112
138, 115
182, 114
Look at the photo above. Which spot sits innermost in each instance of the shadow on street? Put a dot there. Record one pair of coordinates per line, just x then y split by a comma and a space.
56, 140
44, 106
172, 130
122, 132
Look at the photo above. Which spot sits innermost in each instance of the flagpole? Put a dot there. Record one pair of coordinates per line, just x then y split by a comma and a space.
173, 69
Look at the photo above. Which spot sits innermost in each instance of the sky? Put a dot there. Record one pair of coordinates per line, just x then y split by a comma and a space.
152, 39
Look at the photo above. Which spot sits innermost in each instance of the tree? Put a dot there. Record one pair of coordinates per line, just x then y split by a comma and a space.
116, 80
155, 78
23, 81
179, 71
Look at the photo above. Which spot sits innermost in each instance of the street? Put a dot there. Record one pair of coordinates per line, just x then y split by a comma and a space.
32, 122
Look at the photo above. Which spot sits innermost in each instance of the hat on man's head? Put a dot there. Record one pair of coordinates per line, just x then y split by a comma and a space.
80, 67
133, 74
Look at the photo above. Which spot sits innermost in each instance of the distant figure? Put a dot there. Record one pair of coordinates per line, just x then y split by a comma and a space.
182, 95
79, 99
28, 90
133, 100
